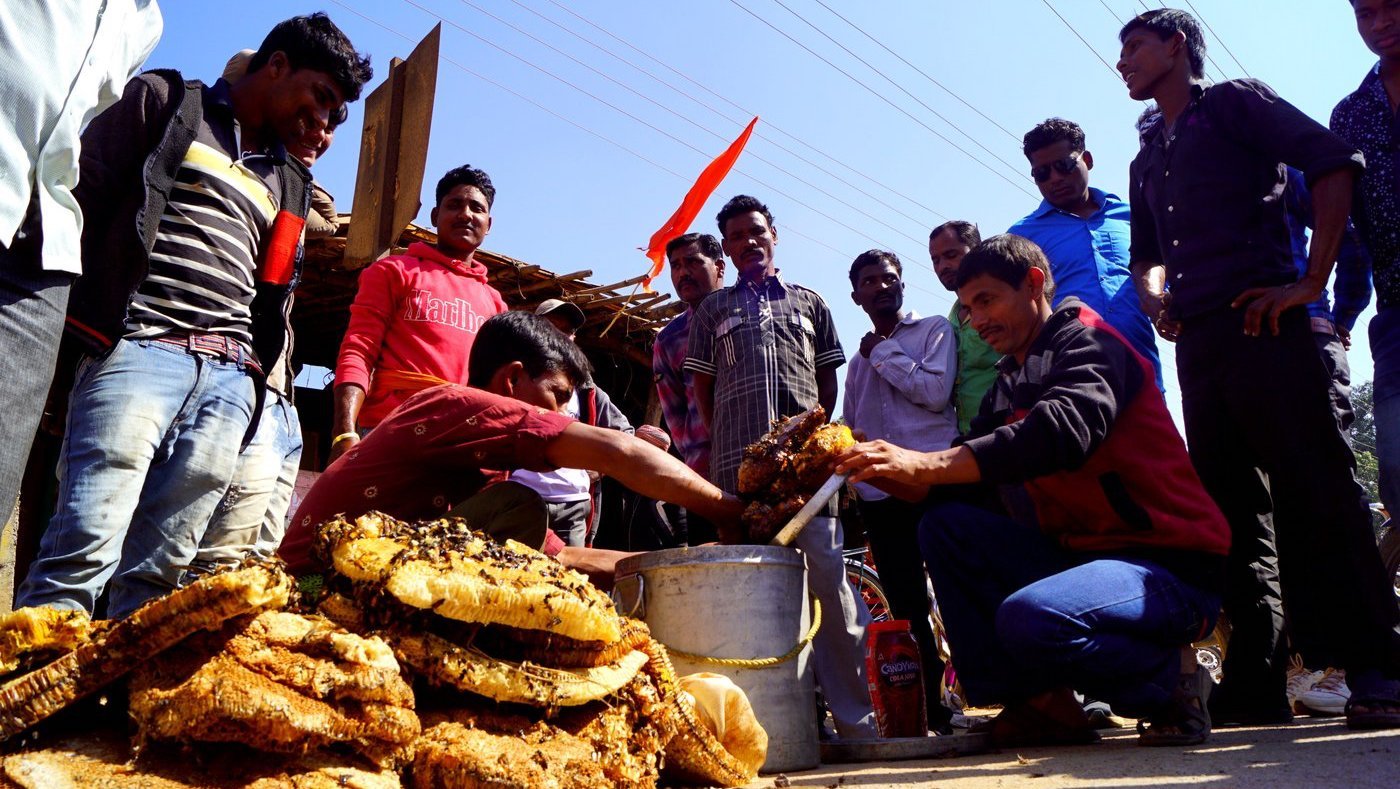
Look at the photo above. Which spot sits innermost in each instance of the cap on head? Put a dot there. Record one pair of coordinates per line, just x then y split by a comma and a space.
564, 309
237, 66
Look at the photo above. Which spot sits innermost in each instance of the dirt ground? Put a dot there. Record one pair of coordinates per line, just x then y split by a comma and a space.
1312, 752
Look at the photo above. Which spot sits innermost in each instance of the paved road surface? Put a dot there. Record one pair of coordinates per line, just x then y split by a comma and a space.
1312, 752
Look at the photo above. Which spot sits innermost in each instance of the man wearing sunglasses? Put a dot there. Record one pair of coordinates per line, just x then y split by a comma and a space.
1085, 232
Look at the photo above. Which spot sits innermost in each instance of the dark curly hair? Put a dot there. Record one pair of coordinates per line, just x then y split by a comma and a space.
743, 204
466, 175
1050, 132
1167, 22
874, 257
524, 337
315, 42
1009, 258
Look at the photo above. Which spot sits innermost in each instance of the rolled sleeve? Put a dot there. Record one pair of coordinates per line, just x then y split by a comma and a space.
828, 345
1253, 111
1143, 246
700, 347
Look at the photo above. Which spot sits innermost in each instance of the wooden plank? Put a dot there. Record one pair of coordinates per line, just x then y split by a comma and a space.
361, 246
630, 299
393, 151
627, 283
504, 272
415, 126
543, 284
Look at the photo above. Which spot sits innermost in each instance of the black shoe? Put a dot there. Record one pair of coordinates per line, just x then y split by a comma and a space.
1227, 710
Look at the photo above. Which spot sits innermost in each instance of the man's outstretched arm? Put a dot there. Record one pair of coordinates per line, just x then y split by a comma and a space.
644, 469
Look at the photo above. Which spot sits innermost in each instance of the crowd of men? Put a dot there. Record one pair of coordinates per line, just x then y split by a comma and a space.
1017, 454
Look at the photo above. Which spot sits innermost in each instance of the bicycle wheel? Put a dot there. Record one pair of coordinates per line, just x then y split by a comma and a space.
865, 582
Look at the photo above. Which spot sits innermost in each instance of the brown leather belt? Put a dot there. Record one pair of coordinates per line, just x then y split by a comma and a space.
1323, 326
214, 345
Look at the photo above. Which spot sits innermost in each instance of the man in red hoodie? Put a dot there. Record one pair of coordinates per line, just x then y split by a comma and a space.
416, 315
1112, 561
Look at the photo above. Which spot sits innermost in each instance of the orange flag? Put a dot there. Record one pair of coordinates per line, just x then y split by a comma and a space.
693, 202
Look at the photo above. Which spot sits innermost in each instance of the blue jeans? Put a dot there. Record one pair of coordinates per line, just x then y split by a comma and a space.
1385, 350
152, 438
252, 516
1024, 615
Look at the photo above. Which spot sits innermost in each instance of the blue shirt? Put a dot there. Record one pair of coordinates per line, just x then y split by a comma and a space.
1089, 260
1352, 281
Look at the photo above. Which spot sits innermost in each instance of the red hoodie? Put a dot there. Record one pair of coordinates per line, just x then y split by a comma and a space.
415, 313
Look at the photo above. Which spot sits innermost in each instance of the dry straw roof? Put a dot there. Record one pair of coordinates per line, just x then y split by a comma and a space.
622, 320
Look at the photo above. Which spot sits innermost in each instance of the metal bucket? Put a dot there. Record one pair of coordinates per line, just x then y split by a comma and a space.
741, 601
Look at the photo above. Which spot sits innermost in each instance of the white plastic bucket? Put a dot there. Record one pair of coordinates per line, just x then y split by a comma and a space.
740, 601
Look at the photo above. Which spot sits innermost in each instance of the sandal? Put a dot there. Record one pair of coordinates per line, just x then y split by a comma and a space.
1375, 694
1186, 714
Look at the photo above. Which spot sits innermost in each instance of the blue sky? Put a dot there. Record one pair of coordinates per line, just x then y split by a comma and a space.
878, 172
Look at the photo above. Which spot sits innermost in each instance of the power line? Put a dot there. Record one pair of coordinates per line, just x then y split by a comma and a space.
920, 71
696, 124
515, 93
1111, 12
628, 150
664, 133
757, 132
1013, 168
689, 120
1217, 38
1082, 40
940, 296
730, 102
881, 96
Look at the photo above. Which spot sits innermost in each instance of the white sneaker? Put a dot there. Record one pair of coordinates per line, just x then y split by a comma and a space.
1300, 681
1329, 696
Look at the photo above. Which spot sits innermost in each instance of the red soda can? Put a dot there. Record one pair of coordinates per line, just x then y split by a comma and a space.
895, 674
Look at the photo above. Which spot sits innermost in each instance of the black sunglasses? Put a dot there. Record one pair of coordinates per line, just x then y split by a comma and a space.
1063, 166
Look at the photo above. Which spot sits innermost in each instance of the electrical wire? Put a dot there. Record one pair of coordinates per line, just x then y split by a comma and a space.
760, 182
1012, 167
1082, 40
729, 118
515, 93
679, 115
653, 162
920, 71
882, 97
746, 112
941, 296
1223, 45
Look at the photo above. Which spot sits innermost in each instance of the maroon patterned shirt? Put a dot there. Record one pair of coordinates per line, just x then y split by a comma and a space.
435, 450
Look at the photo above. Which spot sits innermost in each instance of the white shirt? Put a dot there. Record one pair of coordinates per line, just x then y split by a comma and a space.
61, 63
560, 485
902, 393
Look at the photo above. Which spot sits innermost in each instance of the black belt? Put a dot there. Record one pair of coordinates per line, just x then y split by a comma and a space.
215, 345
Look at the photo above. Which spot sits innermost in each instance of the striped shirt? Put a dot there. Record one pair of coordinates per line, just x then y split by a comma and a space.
763, 343
209, 240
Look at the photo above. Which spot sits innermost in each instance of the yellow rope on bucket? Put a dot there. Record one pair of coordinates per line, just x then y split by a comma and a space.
759, 662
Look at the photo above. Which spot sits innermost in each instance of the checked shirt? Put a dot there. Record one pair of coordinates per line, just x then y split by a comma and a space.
763, 342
